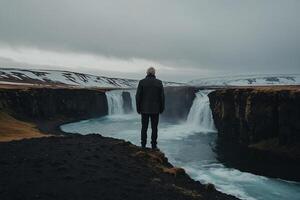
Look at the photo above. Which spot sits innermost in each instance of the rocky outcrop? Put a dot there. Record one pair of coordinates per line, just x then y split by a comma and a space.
262, 125
49, 103
178, 102
249, 116
93, 167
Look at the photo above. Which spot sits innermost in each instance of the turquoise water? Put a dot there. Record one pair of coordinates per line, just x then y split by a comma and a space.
193, 150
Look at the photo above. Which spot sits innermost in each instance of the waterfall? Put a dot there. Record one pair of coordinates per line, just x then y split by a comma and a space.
133, 102
200, 116
115, 101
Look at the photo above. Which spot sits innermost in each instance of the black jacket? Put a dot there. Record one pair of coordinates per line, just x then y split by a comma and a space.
150, 97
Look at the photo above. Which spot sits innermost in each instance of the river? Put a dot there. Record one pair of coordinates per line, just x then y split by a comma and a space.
189, 145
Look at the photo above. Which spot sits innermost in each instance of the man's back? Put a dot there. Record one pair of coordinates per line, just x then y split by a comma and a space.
150, 102
150, 96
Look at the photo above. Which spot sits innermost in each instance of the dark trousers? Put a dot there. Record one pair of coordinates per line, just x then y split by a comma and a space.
154, 122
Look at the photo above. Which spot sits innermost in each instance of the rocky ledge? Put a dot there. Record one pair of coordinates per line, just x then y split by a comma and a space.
259, 128
92, 167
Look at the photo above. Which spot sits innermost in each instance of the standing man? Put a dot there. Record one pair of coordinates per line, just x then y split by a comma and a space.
150, 102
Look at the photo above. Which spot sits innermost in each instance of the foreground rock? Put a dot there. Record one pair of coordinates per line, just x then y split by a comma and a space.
92, 167
259, 128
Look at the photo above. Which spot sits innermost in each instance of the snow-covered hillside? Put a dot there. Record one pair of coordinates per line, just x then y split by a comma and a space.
259, 80
24, 76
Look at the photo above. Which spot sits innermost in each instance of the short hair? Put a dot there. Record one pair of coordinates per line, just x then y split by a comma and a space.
151, 71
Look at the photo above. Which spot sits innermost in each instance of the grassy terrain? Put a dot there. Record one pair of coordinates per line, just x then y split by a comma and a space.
13, 129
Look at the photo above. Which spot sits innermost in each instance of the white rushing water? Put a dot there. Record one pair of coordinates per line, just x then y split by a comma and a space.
200, 116
115, 102
189, 145
133, 102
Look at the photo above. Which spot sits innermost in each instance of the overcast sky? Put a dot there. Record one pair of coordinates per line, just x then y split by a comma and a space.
183, 39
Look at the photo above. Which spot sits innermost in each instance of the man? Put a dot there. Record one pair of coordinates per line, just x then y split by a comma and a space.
150, 102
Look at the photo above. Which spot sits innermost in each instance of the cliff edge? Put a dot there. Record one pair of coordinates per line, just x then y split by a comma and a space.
93, 167
264, 122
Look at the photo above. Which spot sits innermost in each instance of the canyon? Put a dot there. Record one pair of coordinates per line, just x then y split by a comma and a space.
256, 127
69, 166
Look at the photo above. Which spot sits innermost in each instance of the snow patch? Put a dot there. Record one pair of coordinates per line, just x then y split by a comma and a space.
255, 80
68, 78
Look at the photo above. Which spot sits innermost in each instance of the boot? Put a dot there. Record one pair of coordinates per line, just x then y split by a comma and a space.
143, 146
154, 147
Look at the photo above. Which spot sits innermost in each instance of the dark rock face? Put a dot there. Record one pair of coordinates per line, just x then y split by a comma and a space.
259, 130
46, 103
248, 116
178, 102
289, 117
127, 102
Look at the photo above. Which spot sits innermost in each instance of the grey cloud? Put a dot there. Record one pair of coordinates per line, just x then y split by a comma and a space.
241, 36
